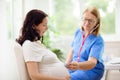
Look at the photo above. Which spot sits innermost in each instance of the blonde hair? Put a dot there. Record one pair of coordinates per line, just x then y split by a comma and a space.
95, 12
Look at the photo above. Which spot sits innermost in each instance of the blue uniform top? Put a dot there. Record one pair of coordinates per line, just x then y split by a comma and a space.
93, 47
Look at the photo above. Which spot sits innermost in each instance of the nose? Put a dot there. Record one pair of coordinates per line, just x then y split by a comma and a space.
46, 27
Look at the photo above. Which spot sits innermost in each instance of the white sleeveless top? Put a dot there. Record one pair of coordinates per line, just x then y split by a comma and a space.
47, 60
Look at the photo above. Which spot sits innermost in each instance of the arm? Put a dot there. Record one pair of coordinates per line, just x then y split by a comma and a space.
69, 57
95, 53
36, 75
87, 65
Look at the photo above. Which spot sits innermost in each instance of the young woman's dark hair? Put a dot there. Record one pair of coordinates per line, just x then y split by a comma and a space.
28, 31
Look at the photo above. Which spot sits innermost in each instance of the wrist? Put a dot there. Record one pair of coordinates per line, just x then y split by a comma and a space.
79, 65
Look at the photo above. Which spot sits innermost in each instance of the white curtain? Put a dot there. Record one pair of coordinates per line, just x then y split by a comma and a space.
3, 34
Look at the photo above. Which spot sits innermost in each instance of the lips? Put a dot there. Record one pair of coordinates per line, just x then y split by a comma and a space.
42, 33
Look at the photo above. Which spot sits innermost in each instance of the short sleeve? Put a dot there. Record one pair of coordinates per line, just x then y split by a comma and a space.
76, 33
32, 52
97, 49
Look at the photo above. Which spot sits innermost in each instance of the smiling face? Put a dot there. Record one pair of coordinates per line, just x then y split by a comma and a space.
88, 21
42, 27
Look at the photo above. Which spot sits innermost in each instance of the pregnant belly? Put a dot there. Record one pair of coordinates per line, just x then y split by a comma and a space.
57, 69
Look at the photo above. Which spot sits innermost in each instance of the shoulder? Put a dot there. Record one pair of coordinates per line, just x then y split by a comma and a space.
29, 44
78, 31
96, 39
100, 40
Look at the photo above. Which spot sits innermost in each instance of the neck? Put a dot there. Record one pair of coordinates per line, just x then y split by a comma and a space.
86, 33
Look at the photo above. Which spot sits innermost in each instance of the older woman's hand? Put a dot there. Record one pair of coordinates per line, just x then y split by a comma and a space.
73, 66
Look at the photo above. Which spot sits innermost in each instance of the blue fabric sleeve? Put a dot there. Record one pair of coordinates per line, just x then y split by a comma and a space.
97, 49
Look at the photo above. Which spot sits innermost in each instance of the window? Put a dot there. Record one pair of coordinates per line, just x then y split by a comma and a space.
107, 12
67, 15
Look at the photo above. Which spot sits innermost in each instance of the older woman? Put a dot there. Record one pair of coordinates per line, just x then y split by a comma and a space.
85, 58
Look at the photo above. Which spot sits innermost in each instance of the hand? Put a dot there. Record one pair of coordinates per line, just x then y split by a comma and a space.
66, 64
73, 66
67, 77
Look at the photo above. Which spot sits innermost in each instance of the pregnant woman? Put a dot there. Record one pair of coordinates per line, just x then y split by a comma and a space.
42, 64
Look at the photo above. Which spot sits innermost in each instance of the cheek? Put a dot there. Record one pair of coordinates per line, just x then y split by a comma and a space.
85, 24
40, 29
82, 23
46, 28
93, 26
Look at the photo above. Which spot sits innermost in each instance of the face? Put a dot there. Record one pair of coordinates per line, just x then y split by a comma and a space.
88, 21
42, 27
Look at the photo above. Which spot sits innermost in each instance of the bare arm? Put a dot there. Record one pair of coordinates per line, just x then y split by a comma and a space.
69, 57
87, 65
35, 75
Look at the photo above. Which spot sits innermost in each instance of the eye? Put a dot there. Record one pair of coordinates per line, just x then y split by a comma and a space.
44, 25
90, 21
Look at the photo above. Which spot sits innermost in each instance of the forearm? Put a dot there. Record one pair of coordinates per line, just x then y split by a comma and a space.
91, 63
87, 65
45, 77
69, 57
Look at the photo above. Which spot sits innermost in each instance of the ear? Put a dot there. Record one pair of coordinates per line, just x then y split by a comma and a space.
33, 26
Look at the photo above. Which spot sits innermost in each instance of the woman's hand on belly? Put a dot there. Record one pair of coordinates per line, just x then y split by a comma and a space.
67, 77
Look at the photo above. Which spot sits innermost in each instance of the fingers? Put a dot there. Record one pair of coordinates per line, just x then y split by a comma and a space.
66, 64
74, 63
73, 66
67, 77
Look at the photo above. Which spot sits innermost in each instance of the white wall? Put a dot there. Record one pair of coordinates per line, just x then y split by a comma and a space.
112, 50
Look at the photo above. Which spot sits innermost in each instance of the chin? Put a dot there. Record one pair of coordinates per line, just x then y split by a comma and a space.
41, 34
